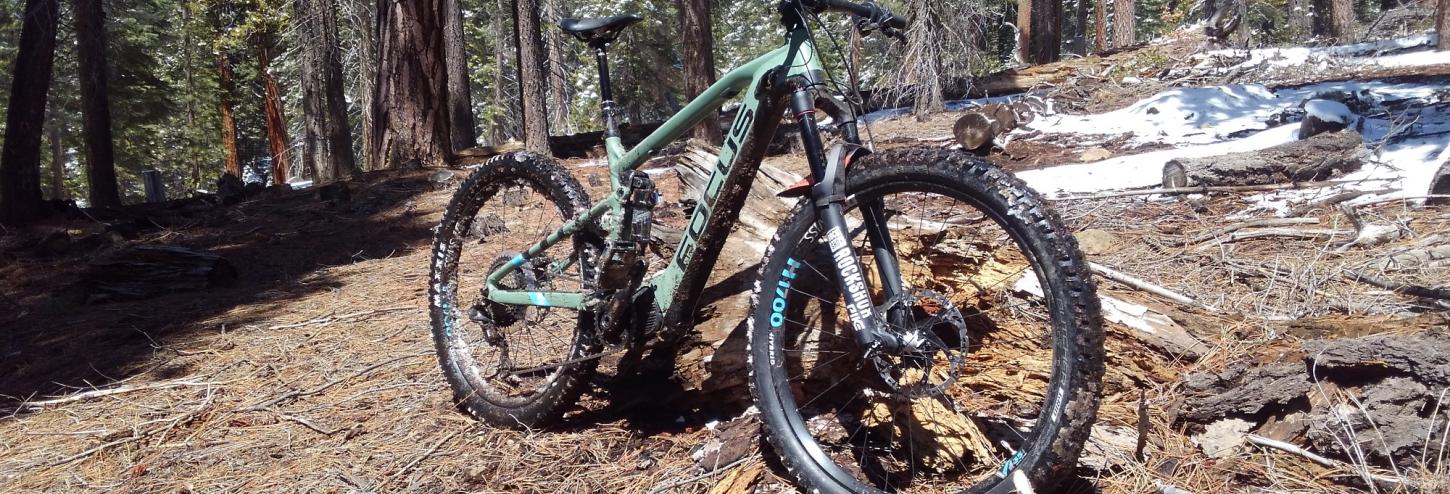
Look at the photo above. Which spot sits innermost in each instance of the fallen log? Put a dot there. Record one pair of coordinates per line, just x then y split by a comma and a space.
153, 270
1317, 158
1440, 186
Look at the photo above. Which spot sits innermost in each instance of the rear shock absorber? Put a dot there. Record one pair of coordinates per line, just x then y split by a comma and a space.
624, 266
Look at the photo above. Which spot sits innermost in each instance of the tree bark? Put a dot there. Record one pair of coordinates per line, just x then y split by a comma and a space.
532, 82
20, 196
1301, 23
1317, 158
1442, 24
96, 102
698, 49
364, 19
277, 140
57, 161
329, 134
227, 81
1040, 25
1124, 23
1077, 38
1341, 20
924, 66
558, 84
460, 94
411, 124
498, 127
1100, 19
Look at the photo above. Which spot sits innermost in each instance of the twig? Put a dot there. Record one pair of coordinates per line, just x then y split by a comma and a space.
1132, 282
329, 318
668, 486
1240, 226
137, 436
1310, 233
426, 454
1327, 462
305, 423
37, 405
328, 384
1305, 208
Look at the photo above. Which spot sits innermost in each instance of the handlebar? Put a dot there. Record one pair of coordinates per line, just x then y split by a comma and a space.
869, 11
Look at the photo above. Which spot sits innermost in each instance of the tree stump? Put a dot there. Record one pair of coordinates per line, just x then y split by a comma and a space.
1317, 158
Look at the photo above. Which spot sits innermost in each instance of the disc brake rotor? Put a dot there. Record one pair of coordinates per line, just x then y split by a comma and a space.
937, 334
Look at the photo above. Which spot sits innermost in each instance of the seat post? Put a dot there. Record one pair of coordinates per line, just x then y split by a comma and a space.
601, 53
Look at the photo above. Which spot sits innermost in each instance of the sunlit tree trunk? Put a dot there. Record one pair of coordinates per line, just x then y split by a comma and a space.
1039, 23
277, 141
559, 110
226, 79
1442, 24
460, 94
1100, 22
20, 196
330, 137
1341, 20
1124, 23
411, 124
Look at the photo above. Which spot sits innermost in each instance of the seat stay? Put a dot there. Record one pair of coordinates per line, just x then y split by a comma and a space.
797, 58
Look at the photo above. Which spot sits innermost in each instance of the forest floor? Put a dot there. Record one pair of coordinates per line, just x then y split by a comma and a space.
315, 369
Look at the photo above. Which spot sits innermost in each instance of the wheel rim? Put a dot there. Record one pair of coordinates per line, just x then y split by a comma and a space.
879, 438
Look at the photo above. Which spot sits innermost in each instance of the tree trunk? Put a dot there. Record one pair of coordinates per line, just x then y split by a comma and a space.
1077, 38
365, 16
1341, 20
1040, 26
698, 49
329, 134
1301, 23
57, 161
411, 126
1442, 24
924, 68
96, 102
498, 128
460, 94
1100, 19
532, 82
277, 140
20, 196
1124, 23
227, 82
558, 67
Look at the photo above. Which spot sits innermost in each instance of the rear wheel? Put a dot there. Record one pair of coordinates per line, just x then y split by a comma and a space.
513, 366
1006, 375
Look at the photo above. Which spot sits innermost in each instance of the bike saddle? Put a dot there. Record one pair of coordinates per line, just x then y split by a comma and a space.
599, 30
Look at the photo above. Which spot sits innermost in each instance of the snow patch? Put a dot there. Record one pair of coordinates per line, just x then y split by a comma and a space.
1328, 111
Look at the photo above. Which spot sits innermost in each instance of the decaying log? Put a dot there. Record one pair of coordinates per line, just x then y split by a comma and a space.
763, 209
1318, 158
1152, 327
154, 270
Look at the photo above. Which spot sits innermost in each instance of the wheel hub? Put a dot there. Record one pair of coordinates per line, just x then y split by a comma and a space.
934, 341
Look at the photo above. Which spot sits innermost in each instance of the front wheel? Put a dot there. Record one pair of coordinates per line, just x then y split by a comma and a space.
1004, 377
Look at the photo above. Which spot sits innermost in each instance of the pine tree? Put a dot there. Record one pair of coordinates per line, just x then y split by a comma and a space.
1442, 24
532, 83
329, 137
96, 103
698, 51
410, 120
1124, 23
460, 96
277, 140
20, 196
1040, 23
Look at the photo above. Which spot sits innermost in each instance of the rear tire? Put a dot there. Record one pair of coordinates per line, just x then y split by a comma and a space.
508, 204
800, 371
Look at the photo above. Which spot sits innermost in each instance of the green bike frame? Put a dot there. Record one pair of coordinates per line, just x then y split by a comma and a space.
763, 81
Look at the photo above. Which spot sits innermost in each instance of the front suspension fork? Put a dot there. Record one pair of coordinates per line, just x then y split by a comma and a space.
829, 198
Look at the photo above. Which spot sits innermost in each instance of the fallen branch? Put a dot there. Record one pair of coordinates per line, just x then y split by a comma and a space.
672, 485
1172, 191
98, 393
1323, 461
1305, 208
1143, 285
184, 418
329, 318
1240, 226
1400, 288
1286, 232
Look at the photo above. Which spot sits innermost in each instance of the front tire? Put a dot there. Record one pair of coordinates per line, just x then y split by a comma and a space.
843, 423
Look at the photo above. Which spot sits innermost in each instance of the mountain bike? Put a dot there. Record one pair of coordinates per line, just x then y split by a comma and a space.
922, 321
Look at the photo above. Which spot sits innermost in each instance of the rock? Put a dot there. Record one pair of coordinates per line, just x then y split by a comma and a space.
1095, 154
334, 193
1286, 116
1221, 439
595, 180
487, 226
230, 189
442, 178
1096, 242
1324, 116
